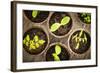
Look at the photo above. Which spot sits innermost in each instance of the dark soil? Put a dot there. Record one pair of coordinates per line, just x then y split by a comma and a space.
83, 46
40, 17
64, 55
56, 18
32, 32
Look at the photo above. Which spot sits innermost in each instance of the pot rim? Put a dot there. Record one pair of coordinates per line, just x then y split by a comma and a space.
36, 22
70, 37
48, 40
61, 44
82, 21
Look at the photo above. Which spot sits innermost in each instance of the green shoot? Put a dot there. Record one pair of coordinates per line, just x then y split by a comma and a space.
34, 13
54, 27
65, 20
56, 58
33, 44
57, 52
57, 49
86, 17
78, 39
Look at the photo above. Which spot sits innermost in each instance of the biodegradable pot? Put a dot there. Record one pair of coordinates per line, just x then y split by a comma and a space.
64, 55
82, 19
41, 34
56, 18
83, 46
42, 16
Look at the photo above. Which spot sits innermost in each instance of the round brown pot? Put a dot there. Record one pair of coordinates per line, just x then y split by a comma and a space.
42, 34
64, 55
83, 45
63, 30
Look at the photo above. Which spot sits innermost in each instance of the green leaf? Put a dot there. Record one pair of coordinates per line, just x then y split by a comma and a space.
80, 34
27, 38
85, 38
57, 49
37, 45
34, 13
32, 47
27, 44
65, 20
24, 41
36, 38
77, 46
54, 27
32, 42
41, 42
75, 36
56, 58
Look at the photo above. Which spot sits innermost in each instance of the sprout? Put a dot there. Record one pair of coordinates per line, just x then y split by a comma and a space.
65, 20
56, 57
54, 27
34, 13
57, 52
86, 17
26, 40
33, 44
57, 49
78, 39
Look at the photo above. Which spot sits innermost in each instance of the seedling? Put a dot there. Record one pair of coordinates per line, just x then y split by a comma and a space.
33, 44
65, 20
57, 52
86, 17
78, 39
35, 13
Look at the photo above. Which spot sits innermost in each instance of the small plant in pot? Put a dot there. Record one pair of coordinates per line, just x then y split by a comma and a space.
35, 41
36, 15
80, 41
57, 52
60, 23
85, 17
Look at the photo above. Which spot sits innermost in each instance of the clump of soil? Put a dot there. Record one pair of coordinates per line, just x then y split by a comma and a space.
84, 44
41, 34
56, 18
64, 55
40, 17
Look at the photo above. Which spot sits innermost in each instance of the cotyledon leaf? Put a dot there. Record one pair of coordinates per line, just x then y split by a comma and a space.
34, 13
41, 42
57, 49
80, 34
27, 38
56, 58
77, 46
54, 27
65, 20
36, 38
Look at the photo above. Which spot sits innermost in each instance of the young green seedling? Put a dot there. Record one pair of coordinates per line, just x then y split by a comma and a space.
57, 52
78, 38
65, 20
26, 40
86, 17
34, 13
33, 44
